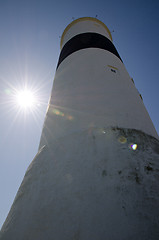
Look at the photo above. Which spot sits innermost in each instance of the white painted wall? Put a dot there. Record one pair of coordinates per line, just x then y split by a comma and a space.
86, 89
87, 183
89, 186
85, 26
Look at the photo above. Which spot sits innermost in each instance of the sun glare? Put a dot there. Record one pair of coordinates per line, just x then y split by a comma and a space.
26, 99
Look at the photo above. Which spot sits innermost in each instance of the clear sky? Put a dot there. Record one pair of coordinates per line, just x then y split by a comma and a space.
29, 49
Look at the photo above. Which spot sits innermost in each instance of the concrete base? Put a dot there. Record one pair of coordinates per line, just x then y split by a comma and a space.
89, 185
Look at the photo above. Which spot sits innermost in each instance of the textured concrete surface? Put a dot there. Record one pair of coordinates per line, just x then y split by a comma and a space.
89, 185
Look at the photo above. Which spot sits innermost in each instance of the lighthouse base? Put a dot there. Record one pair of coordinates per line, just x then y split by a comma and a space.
94, 185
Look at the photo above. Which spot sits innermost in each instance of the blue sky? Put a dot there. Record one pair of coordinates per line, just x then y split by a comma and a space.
29, 49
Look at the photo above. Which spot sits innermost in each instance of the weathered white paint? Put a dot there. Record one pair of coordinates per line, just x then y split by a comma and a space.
86, 181
89, 185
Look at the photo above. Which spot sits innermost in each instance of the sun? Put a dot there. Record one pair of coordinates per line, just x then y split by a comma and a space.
25, 99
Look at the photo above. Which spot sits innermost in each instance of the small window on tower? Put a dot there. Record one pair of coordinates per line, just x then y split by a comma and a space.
113, 70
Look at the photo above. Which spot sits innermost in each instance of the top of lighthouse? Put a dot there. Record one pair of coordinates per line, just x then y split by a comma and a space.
84, 24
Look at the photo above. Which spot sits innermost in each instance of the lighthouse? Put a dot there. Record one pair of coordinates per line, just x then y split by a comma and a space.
96, 173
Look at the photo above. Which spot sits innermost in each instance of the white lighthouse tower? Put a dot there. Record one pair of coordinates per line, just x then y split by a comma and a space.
96, 175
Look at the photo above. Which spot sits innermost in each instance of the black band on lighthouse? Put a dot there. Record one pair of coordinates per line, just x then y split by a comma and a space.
87, 40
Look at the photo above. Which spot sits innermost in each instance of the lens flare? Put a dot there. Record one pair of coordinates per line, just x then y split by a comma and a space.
134, 146
8, 91
59, 113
